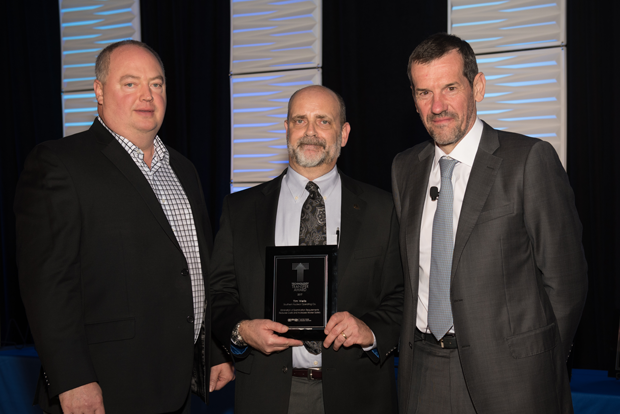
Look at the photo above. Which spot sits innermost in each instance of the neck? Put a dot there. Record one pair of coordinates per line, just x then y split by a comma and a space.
311, 173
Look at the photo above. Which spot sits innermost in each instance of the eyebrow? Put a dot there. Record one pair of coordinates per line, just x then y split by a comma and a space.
125, 77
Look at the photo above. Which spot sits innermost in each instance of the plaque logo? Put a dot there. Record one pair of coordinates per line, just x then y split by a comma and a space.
300, 286
300, 267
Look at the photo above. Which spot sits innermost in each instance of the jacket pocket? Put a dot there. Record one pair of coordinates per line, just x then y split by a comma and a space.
532, 342
244, 365
495, 213
110, 331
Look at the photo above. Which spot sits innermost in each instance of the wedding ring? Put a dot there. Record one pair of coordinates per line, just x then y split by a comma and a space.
343, 335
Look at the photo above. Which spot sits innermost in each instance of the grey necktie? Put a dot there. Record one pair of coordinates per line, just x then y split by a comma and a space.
312, 231
439, 309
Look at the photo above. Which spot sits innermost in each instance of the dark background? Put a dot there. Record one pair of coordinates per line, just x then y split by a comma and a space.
365, 51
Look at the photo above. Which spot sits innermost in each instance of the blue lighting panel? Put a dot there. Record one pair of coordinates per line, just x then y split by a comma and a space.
527, 94
268, 35
85, 30
498, 26
258, 134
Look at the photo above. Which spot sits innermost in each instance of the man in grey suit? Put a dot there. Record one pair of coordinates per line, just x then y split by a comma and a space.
495, 276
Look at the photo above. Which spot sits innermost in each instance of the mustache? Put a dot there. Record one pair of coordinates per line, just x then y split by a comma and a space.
308, 140
443, 115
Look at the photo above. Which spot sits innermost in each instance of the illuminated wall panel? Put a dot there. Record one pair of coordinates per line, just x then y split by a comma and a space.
526, 93
79, 110
259, 106
519, 47
87, 26
272, 35
492, 26
275, 50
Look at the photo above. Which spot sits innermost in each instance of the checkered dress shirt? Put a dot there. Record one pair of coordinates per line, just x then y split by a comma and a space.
177, 209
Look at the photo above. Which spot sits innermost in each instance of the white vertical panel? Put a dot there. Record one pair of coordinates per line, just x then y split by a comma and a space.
275, 50
526, 93
526, 88
87, 27
492, 26
259, 103
79, 110
268, 35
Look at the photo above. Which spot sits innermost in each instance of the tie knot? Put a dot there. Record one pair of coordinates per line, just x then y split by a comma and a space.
447, 166
313, 189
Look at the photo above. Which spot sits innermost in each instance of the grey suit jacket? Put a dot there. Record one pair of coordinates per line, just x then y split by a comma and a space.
519, 278
370, 286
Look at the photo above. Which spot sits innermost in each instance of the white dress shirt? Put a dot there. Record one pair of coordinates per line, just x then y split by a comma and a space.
464, 153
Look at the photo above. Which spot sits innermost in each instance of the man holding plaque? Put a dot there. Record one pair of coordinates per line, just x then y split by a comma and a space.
313, 204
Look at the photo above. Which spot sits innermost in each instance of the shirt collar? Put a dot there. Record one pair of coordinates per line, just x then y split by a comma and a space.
296, 183
161, 153
466, 150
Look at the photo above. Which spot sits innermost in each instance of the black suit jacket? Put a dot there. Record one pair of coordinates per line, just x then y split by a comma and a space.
519, 276
369, 287
102, 276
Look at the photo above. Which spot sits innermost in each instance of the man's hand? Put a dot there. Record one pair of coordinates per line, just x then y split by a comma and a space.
344, 329
221, 375
86, 399
261, 334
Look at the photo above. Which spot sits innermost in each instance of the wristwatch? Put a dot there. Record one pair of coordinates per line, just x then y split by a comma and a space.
236, 338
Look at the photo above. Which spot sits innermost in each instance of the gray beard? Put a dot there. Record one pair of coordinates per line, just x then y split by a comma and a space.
324, 158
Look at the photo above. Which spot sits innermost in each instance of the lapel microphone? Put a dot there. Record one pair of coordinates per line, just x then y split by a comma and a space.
434, 193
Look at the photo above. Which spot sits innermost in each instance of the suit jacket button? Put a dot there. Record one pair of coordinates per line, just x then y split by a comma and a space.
190, 319
284, 369
184, 272
410, 345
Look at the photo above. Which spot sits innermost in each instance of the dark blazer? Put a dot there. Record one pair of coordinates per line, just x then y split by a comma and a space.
103, 278
369, 287
519, 277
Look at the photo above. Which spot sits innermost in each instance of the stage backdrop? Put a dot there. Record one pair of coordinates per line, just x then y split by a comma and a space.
365, 51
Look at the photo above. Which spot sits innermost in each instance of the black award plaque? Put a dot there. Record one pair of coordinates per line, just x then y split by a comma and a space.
300, 288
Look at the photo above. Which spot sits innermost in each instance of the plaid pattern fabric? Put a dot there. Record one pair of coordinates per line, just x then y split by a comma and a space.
177, 209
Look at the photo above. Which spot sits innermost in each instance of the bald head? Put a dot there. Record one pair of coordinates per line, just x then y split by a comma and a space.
317, 88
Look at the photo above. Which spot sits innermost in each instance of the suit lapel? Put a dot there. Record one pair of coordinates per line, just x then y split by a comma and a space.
266, 212
119, 157
414, 195
352, 211
481, 179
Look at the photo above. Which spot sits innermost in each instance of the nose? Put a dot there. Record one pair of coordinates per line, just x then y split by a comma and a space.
146, 94
311, 128
438, 104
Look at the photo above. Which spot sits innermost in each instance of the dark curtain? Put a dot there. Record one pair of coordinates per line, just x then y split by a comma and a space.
32, 113
365, 51
593, 150
366, 47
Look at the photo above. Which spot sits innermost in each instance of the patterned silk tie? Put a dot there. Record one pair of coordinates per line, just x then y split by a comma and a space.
439, 308
312, 231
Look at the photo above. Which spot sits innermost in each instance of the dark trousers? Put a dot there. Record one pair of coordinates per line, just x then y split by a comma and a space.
306, 397
438, 384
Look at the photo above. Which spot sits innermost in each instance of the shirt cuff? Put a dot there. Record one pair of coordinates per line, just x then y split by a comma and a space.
237, 350
374, 343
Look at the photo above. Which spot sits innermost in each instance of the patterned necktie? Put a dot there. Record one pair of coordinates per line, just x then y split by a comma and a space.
312, 231
439, 308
